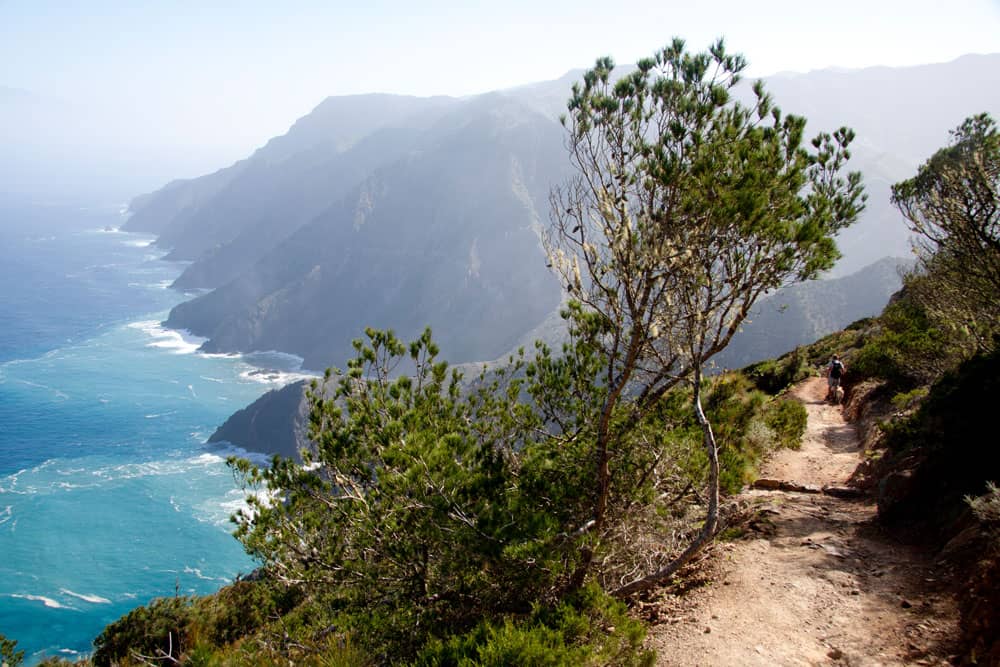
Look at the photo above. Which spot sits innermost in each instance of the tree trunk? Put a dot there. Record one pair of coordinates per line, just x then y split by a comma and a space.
712, 515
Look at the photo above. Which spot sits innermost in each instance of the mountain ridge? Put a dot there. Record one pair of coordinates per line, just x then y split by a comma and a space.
254, 231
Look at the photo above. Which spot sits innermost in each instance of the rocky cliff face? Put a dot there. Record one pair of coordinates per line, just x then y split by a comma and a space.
445, 236
276, 423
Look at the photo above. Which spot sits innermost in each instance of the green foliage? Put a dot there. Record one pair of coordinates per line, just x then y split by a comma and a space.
160, 628
908, 399
788, 419
424, 507
242, 608
953, 204
775, 375
749, 425
588, 628
907, 348
9, 655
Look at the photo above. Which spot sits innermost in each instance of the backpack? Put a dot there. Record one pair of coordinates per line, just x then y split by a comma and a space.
836, 369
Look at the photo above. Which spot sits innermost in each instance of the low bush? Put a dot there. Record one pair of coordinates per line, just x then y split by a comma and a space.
158, 629
588, 628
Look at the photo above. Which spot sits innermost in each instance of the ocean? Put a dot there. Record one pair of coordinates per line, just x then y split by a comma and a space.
108, 495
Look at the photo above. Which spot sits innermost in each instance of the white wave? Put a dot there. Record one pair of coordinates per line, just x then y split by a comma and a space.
93, 599
197, 572
7, 514
138, 470
275, 377
48, 602
222, 355
180, 342
139, 243
208, 379
206, 458
229, 449
283, 360
163, 284
161, 414
191, 389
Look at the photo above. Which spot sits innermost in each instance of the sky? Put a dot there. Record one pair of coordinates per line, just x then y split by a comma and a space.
206, 82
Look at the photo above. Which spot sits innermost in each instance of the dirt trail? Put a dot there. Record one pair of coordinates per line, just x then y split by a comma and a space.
816, 582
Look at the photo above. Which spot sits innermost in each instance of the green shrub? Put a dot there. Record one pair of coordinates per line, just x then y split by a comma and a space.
788, 420
162, 626
775, 375
9, 655
589, 628
242, 608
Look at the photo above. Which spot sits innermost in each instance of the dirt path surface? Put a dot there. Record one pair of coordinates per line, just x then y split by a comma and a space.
815, 582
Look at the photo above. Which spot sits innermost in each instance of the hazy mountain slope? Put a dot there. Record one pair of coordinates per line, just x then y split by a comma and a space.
805, 312
198, 215
445, 237
268, 202
278, 232
904, 111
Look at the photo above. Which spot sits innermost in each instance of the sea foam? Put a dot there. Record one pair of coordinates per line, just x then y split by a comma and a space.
93, 599
48, 602
178, 342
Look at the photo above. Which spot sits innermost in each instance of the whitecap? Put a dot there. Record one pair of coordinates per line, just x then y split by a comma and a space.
139, 243
48, 602
197, 572
271, 376
93, 599
179, 342
206, 459
283, 360
227, 449
210, 379
161, 414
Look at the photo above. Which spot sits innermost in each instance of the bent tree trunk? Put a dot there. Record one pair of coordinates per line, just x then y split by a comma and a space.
711, 517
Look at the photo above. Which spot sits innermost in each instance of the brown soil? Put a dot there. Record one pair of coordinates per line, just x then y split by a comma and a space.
815, 581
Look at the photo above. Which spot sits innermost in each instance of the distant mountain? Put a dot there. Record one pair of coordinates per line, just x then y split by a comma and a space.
446, 236
402, 212
805, 312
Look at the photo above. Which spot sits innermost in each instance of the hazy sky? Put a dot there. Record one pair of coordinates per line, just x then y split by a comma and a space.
223, 77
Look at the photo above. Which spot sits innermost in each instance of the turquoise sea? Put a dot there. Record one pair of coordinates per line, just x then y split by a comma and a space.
108, 496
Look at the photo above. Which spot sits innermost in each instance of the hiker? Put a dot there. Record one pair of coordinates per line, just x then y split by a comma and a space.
834, 372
